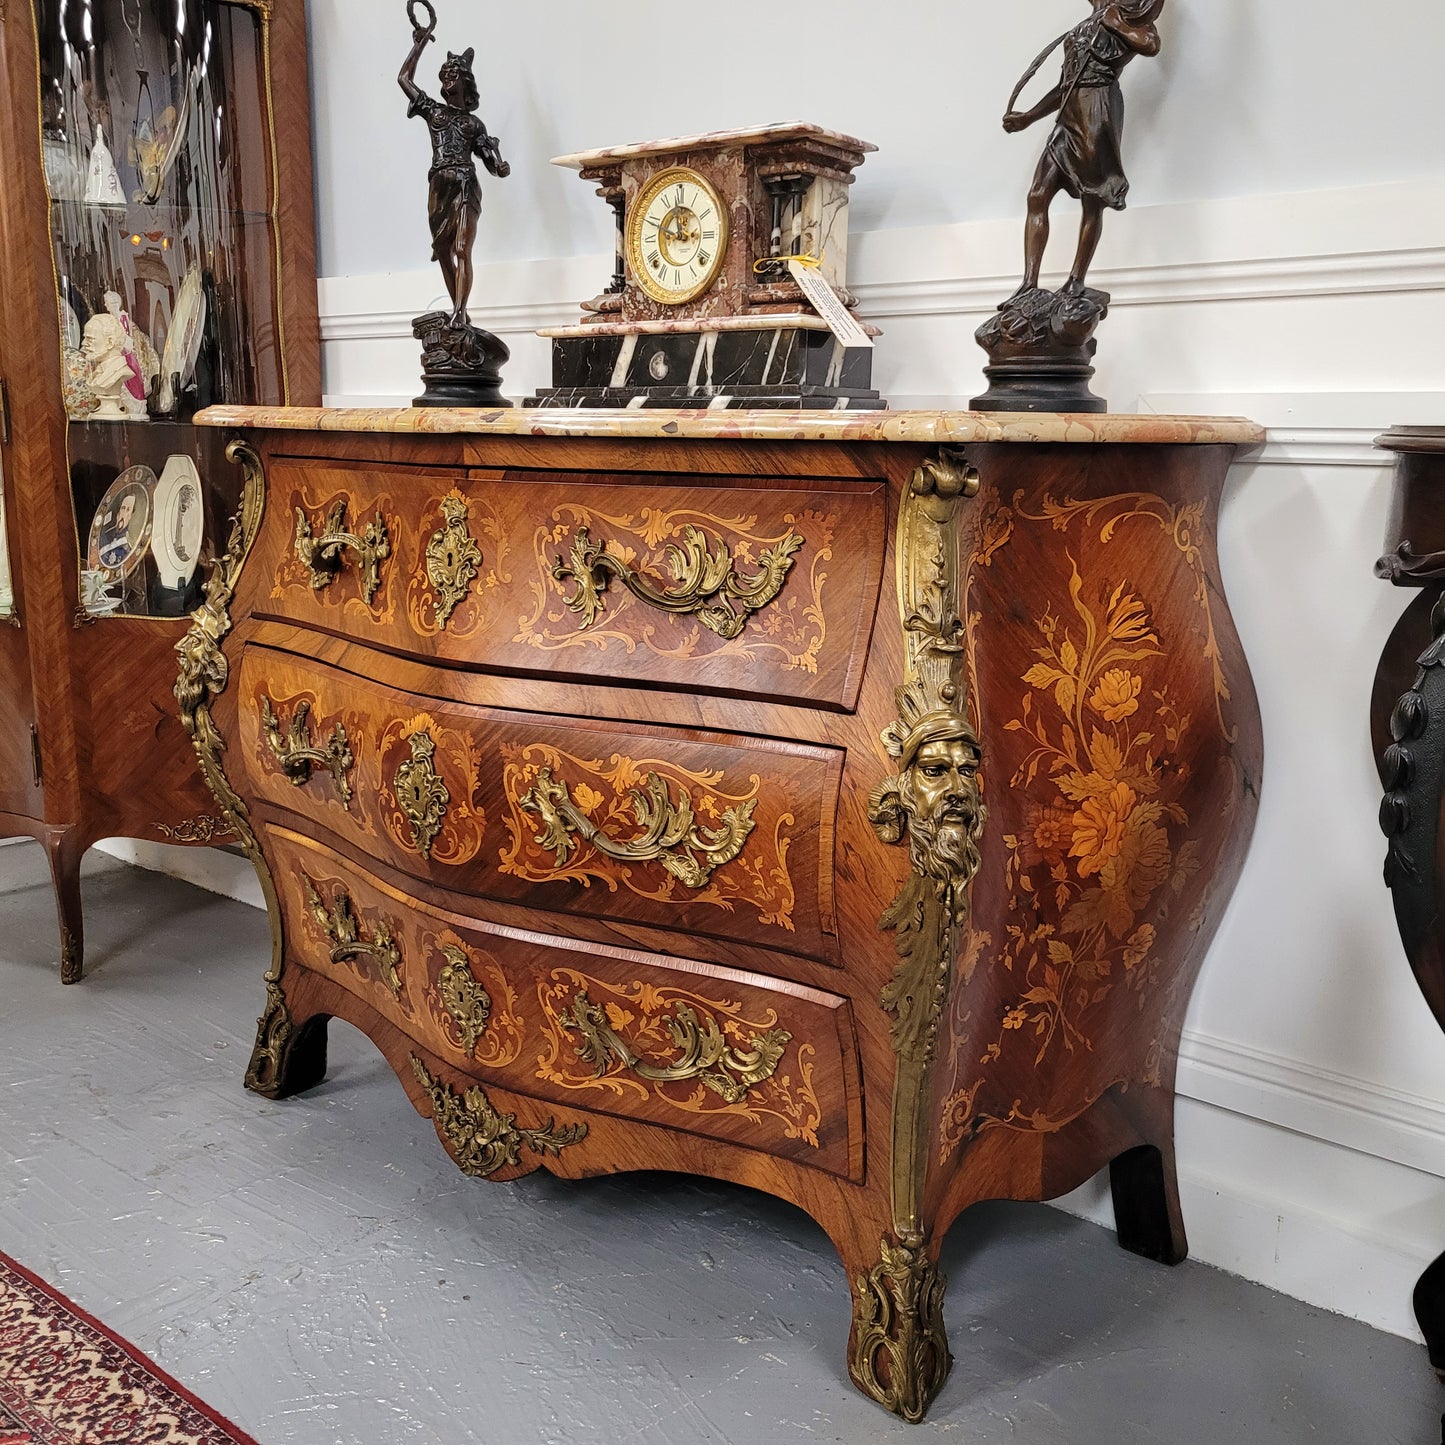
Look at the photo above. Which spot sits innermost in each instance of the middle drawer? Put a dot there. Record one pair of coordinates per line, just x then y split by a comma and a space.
702, 833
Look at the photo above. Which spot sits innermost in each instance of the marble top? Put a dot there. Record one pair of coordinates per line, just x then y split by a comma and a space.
776, 134
929, 427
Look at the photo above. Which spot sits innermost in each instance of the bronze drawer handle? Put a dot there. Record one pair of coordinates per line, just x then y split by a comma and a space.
708, 586
453, 559
325, 555
671, 834
706, 1055
339, 924
298, 755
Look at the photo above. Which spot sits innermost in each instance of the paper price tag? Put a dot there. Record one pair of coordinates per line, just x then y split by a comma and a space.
827, 303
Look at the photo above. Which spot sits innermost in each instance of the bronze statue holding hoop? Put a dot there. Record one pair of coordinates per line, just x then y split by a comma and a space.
461, 364
1041, 343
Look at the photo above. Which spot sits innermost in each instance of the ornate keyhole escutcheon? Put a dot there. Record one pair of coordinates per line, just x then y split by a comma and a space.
467, 1003
421, 793
453, 559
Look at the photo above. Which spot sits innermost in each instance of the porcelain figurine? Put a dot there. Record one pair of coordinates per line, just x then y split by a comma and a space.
117, 374
102, 186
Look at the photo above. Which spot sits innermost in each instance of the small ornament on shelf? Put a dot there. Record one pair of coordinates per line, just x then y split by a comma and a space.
461, 364
1041, 343
102, 186
122, 363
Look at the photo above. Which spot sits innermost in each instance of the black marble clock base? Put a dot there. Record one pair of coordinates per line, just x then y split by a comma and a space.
739, 399
779, 367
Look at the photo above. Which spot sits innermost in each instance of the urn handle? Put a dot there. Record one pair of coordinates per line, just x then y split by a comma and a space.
325, 555
731, 1072
669, 834
707, 580
297, 754
348, 943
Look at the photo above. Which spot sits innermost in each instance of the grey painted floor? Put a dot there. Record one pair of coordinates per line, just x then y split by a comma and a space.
319, 1272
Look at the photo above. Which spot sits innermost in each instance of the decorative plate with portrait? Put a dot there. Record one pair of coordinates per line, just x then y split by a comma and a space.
120, 533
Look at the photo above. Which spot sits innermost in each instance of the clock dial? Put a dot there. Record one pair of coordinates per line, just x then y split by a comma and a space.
676, 236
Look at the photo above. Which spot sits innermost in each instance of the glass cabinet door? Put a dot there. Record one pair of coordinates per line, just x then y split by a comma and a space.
157, 143
7, 588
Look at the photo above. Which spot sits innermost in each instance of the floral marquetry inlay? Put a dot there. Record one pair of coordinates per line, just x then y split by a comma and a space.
698, 1055
1100, 745
656, 829
732, 587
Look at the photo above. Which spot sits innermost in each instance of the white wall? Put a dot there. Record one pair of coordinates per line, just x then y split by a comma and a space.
1285, 258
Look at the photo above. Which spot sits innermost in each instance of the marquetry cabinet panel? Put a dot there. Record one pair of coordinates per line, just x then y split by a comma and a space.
546, 814
570, 574
157, 215
856, 830
759, 1063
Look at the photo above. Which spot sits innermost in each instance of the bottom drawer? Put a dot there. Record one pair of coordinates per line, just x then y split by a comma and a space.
754, 1061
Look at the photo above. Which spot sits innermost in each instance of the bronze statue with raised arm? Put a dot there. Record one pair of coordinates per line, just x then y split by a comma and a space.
1040, 342
461, 364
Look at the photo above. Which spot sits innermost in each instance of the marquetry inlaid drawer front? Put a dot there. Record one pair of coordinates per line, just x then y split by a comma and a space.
730, 1055
731, 587
700, 833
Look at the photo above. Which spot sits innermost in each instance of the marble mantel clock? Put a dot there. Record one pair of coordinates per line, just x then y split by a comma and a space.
703, 309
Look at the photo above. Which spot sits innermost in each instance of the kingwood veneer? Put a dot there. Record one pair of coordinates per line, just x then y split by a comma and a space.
842, 806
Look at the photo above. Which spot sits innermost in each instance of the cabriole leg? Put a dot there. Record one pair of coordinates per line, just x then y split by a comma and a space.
64, 851
898, 1351
1146, 1204
1430, 1311
288, 1058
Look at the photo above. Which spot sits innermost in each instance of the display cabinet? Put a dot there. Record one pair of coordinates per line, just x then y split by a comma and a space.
158, 229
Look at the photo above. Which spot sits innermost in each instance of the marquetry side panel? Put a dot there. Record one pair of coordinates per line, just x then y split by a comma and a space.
1122, 754
758, 1063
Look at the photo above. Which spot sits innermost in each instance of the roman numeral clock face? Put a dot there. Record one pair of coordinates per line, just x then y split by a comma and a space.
676, 237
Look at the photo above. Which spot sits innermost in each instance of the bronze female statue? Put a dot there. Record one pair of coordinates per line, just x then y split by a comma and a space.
461, 364
1041, 343
1084, 155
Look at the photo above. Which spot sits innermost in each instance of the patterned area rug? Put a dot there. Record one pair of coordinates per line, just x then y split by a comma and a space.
66, 1380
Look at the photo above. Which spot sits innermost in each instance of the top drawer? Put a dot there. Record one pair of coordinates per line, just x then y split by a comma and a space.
718, 584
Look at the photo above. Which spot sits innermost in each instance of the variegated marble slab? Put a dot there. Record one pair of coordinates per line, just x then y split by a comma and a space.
935, 428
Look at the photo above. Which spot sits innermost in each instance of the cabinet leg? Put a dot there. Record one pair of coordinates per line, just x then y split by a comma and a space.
1430, 1311
1146, 1204
64, 851
288, 1058
898, 1351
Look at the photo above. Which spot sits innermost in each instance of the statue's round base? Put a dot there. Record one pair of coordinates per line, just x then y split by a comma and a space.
1041, 351
461, 365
